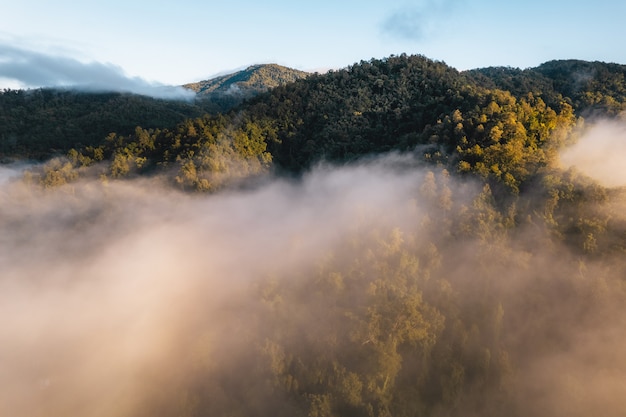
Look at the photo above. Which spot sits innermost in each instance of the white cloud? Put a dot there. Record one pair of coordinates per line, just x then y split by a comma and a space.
418, 21
600, 153
32, 69
406, 24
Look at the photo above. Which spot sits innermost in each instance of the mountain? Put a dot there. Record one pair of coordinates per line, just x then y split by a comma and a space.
40, 123
591, 87
488, 281
251, 81
43, 122
459, 119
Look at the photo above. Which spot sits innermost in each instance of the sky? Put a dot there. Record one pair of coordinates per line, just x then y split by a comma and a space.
137, 45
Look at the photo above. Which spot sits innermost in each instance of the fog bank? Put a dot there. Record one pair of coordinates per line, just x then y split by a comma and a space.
128, 298
600, 152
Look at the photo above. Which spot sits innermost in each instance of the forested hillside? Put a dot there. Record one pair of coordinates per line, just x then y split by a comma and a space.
462, 121
456, 121
370, 107
396, 238
38, 124
590, 86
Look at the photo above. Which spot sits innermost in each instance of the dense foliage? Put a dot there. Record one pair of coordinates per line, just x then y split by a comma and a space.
399, 103
37, 124
589, 86
402, 103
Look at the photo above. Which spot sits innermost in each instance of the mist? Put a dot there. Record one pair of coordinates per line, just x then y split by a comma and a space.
12, 171
33, 69
600, 152
130, 298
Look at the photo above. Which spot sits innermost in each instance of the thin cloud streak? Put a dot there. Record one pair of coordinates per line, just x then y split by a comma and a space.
409, 24
418, 22
34, 69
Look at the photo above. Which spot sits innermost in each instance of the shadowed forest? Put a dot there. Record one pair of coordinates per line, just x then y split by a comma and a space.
396, 238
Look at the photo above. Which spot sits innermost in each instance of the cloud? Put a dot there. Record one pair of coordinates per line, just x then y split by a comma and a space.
107, 293
32, 69
10, 172
417, 22
600, 152
125, 298
406, 24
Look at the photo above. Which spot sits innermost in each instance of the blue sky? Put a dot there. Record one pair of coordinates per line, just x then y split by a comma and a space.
113, 42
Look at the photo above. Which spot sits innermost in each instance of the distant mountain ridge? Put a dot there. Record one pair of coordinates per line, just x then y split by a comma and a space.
253, 80
589, 86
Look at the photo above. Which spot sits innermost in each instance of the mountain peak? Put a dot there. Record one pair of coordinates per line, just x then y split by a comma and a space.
253, 80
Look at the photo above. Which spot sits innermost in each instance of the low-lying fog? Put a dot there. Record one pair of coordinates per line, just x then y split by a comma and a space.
118, 297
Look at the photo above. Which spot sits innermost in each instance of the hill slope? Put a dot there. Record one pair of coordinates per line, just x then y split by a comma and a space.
504, 125
253, 80
37, 124
419, 294
591, 87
